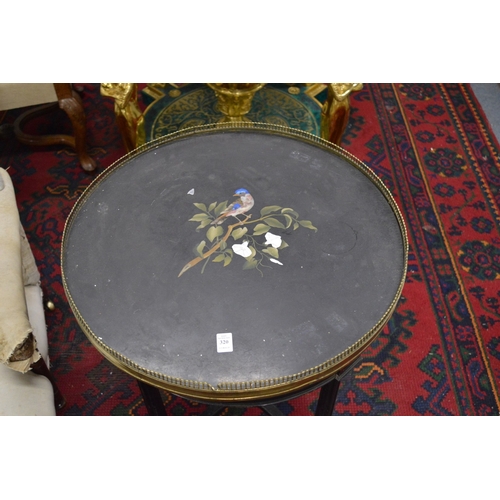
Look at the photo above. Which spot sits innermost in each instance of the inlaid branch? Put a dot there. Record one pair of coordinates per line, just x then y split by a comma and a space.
254, 252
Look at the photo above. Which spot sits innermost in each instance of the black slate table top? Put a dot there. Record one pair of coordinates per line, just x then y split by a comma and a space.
330, 287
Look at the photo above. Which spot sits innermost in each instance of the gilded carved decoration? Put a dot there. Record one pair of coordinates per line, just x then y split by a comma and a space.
336, 110
234, 102
128, 114
235, 99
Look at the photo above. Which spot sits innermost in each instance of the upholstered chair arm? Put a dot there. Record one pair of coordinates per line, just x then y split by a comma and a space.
17, 268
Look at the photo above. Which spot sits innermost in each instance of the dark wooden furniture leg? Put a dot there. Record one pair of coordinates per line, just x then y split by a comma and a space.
328, 392
327, 397
152, 399
215, 410
272, 410
70, 103
326, 401
41, 368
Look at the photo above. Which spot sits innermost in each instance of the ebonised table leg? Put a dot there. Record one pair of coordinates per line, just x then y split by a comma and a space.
328, 393
152, 399
215, 410
272, 410
327, 396
326, 401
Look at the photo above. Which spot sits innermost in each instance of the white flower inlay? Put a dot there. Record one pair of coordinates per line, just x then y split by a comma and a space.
276, 261
273, 239
242, 249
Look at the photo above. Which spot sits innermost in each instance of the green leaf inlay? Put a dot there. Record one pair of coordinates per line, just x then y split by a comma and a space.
308, 224
273, 252
219, 208
261, 229
200, 206
270, 209
200, 247
271, 221
199, 217
250, 264
289, 211
238, 233
214, 232
203, 224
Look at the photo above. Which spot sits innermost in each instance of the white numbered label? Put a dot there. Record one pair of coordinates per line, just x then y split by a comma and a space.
224, 342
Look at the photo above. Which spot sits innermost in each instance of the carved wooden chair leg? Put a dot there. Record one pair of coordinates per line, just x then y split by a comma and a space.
41, 368
39, 140
70, 103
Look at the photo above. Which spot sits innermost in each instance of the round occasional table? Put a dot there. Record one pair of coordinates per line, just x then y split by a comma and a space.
235, 264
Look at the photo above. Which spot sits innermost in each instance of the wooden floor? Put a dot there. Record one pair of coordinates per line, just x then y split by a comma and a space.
488, 95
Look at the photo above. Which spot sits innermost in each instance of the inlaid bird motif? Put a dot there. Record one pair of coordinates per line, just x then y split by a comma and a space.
242, 205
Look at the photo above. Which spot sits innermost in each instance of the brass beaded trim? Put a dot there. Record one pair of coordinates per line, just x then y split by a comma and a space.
243, 390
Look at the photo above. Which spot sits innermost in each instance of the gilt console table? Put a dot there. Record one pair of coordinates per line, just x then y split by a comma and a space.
235, 264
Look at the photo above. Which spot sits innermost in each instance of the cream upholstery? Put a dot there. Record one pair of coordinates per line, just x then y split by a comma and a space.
19, 95
21, 317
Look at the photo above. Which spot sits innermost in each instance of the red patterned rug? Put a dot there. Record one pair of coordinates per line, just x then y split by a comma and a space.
440, 353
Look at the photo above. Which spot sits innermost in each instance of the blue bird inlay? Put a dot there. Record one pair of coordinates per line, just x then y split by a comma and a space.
240, 206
